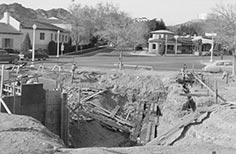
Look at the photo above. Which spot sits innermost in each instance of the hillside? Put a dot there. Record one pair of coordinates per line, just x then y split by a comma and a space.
18, 11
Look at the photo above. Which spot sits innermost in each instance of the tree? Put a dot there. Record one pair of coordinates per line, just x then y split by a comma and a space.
113, 26
186, 30
223, 22
26, 45
137, 32
81, 21
156, 25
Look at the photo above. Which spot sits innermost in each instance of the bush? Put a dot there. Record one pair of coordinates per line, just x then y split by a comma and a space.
52, 48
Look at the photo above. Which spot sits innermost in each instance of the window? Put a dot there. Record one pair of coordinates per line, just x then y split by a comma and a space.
55, 37
153, 46
62, 38
51, 36
42, 36
66, 38
7, 43
228, 63
220, 64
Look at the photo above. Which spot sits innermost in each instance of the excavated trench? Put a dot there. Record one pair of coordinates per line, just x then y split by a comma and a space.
125, 112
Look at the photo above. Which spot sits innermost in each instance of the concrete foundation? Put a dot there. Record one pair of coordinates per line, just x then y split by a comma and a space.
47, 106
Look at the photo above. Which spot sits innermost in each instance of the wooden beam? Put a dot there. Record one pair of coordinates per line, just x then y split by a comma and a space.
163, 138
89, 97
196, 95
210, 89
114, 111
5, 106
1, 86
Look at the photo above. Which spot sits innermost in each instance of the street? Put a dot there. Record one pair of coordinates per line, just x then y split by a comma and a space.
107, 60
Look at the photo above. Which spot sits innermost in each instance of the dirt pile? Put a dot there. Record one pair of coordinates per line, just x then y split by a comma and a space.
22, 134
192, 149
218, 128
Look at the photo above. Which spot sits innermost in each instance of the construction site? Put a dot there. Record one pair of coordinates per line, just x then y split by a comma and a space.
51, 110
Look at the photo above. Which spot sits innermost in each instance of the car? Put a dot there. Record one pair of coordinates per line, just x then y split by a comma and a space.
208, 53
12, 51
219, 66
39, 55
6, 57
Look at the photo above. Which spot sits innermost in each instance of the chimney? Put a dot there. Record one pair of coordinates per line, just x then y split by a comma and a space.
7, 17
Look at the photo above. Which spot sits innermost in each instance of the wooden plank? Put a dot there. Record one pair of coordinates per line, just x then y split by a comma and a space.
109, 122
89, 97
153, 132
187, 120
148, 133
114, 111
195, 95
108, 113
206, 86
5, 106
136, 66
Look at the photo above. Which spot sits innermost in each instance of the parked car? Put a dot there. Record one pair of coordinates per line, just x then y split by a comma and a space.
6, 57
208, 53
39, 55
12, 51
219, 66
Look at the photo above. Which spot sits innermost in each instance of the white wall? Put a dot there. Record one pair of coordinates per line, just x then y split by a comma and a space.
7, 19
47, 33
17, 40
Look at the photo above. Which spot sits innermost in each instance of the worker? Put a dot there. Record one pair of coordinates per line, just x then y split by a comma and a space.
190, 104
73, 69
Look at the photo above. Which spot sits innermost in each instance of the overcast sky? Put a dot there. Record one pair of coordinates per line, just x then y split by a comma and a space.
171, 11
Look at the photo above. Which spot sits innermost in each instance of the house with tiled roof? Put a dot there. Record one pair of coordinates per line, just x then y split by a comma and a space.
167, 42
44, 33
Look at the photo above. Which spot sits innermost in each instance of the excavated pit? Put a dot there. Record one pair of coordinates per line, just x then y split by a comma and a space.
123, 90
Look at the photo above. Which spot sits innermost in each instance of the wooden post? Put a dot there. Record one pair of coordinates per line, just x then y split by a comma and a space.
216, 92
227, 78
1, 86
193, 67
208, 83
14, 98
5, 106
202, 80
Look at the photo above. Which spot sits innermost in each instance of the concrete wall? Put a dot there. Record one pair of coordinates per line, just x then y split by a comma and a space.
53, 111
49, 107
33, 101
13, 103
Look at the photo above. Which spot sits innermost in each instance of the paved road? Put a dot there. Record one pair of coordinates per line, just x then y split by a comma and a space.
107, 60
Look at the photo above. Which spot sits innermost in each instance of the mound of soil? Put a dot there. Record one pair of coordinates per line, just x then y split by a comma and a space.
22, 134
218, 128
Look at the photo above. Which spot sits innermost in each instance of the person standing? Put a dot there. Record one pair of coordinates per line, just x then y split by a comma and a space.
73, 69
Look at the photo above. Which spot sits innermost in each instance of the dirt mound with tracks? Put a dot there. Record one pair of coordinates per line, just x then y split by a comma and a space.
25, 135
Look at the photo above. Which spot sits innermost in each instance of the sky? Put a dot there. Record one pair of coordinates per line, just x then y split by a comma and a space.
171, 11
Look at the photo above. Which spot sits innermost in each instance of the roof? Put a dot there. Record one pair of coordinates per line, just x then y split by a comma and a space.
8, 29
182, 41
162, 40
28, 23
52, 20
185, 41
162, 32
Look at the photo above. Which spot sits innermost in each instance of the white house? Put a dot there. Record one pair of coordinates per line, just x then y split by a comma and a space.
10, 37
161, 41
45, 32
